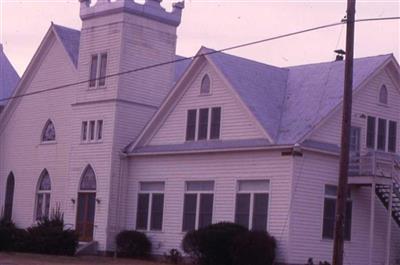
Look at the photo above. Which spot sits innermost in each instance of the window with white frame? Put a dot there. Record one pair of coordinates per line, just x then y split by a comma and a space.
92, 131
49, 132
98, 67
150, 206
383, 95
252, 204
43, 196
205, 85
203, 124
197, 204
381, 137
330, 213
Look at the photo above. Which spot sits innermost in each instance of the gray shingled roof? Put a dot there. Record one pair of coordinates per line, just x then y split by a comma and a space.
288, 102
70, 39
8, 77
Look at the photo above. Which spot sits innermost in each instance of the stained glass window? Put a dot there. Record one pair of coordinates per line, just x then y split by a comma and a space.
88, 181
49, 132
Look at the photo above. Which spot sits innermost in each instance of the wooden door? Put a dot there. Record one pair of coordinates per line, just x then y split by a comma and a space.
85, 215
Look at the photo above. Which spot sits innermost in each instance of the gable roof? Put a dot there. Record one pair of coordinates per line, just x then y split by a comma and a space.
289, 102
70, 38
8, 77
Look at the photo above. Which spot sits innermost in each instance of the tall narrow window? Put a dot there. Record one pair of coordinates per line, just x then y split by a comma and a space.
43, 196
371, 132
150, 207
203, 124
205, 85
383, 95
392, 136
8, 206
381, 134
91, 130
329, 214
191, 125
84, 130
93, 71
49, 132
99, 129
215, 123
103, 67
252, 204
198, 205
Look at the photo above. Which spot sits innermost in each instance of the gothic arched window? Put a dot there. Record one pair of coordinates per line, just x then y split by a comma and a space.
383, 95
49, 132
205, 85
88, 181
43, 196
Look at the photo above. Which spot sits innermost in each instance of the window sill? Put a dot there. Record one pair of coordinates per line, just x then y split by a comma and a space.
383, 105
48, 143
151, 231
331, 240
92, 142
94, 88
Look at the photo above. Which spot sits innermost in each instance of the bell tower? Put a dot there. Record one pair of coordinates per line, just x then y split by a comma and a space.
109, 112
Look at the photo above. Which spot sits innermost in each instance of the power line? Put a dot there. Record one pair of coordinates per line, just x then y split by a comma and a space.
198, 55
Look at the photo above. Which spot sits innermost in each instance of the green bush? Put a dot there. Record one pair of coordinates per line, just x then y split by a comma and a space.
7, 234
133, 244
254, 248
212, 245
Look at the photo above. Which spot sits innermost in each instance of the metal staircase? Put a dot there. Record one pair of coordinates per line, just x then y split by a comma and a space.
383, 192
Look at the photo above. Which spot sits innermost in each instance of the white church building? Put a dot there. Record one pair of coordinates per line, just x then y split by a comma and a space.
165, 149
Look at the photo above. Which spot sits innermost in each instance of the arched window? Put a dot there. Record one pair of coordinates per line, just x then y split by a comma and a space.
383, 95
205, 85
88, 181
43, 196
49, 132
9, 197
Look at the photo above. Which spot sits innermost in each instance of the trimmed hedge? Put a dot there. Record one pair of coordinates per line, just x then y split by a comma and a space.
133, 244
7, 235
212, 245
255, 248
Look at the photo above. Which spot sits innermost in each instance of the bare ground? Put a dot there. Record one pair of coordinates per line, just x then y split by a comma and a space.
34, 259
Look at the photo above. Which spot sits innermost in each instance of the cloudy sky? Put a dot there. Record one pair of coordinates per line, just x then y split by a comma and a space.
221, 23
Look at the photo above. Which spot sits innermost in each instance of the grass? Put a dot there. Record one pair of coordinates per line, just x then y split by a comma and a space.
35, 259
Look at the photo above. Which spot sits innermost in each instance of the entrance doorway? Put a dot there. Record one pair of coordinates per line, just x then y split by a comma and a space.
86, 205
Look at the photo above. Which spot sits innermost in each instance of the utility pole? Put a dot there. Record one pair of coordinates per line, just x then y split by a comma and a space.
345, 141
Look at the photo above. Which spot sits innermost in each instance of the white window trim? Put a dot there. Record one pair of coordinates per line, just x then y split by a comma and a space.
376, 134
379, 96
201, 83
252, 193
151, 193
98, 54
96, 132
198, 193
196, 138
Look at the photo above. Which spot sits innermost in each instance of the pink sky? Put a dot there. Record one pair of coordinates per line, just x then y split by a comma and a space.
221, 23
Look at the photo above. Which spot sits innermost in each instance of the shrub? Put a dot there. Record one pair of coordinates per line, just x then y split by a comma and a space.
7, 234
255, 248
212, 245
133, 244
173, 256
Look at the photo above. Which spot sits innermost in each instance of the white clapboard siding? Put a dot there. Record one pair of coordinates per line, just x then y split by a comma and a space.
236, 121
225, 169
21, 150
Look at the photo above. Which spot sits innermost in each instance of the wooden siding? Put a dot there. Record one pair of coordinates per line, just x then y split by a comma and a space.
21, 150
223, 168
311, 173
236, 121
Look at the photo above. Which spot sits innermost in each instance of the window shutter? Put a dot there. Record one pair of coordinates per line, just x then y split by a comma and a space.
142, 211
157, 209
215, 123
260, 211
206, 209
191, 125
203, 124
242, 209
392, 136
371, 132
189, 212
382, 134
